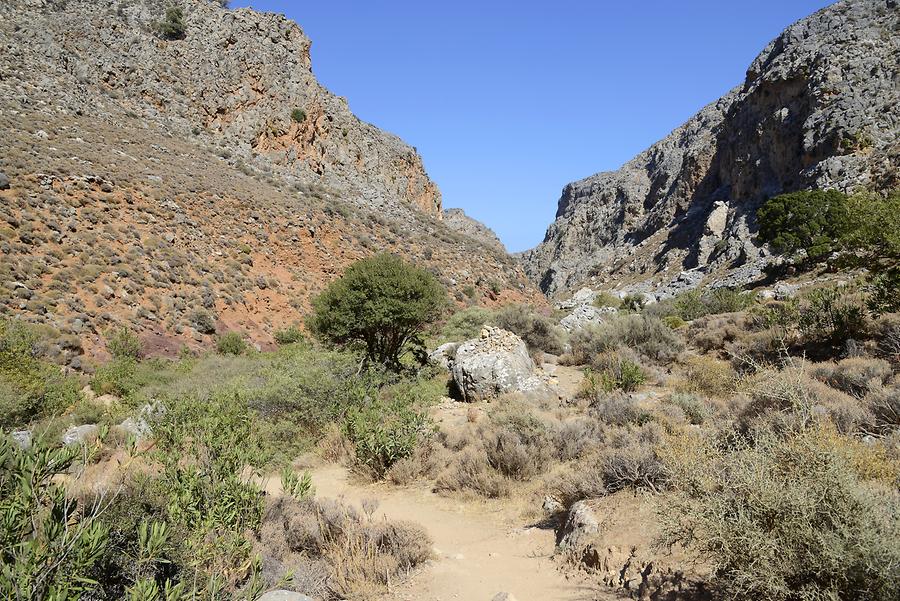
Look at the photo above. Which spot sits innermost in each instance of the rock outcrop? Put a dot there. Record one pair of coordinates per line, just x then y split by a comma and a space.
457, 220
495, 363
240, 79
819, 108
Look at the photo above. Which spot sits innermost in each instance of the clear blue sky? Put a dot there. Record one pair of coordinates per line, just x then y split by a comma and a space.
509, 101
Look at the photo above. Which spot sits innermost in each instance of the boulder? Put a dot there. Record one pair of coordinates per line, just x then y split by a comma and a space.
282, 595
22, 438
4, 181
584, 316
80, 434
495, 363
584, 296
139, 426
444, 354
579, 529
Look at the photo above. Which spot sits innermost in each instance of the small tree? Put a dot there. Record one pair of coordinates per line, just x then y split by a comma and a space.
172, 27
381, 304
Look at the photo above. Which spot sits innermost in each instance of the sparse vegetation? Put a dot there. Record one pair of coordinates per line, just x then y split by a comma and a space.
788, 517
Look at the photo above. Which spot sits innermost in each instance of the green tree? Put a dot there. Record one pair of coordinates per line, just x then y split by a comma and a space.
381, 304
873, 239
812, 221
172, 27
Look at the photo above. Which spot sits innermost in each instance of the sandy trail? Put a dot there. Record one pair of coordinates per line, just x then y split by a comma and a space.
480, 550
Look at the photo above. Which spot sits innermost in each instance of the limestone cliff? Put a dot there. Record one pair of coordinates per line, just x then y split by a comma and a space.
819, 108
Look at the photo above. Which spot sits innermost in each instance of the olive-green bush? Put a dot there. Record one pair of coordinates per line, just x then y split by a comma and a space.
381, 305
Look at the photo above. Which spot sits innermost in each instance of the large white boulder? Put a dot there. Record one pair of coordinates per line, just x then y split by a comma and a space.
495, 363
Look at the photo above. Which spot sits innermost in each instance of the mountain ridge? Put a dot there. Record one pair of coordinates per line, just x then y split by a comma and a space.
817, 108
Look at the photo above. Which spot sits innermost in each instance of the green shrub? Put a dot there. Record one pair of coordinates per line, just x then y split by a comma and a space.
633, 303
298, 115
832, 315
536, 330
674, 322
605, 299
788, 518
204, 448
383, 305
298, 486
884, 291
30, 388
809, 221
172, 27
873, 242
231, 343
694, 304
118, 377
466, 324
385, 432
123, 344
289, 335
622, 374
203, 322
49, 545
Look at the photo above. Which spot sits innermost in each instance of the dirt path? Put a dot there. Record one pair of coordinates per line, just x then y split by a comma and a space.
480, 550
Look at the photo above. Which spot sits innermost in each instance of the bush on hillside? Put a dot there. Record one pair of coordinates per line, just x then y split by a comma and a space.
289, 335
231, 343
384, 432
537, 330
643, 334
381, 304
466, 324
812, 515
123, 344
30, 388
172, 27
832, 315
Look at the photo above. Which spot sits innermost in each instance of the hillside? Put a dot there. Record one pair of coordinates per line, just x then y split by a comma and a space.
818, 109
186, 187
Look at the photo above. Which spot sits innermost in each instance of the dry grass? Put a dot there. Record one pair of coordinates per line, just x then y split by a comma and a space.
357, 556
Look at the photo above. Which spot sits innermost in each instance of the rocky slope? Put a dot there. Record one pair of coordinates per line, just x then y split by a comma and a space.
458, 221
164, 185
818, 109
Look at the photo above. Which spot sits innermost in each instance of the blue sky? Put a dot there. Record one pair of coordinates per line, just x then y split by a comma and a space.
509, 101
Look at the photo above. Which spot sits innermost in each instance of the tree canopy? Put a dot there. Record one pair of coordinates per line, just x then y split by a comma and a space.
381, 304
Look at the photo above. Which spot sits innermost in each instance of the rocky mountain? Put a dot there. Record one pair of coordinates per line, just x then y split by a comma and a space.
192, 184
457, 220
819, 108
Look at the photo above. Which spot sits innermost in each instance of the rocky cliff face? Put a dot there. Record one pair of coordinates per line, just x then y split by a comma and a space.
235, 79
458, 221
163, 185
819, 108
